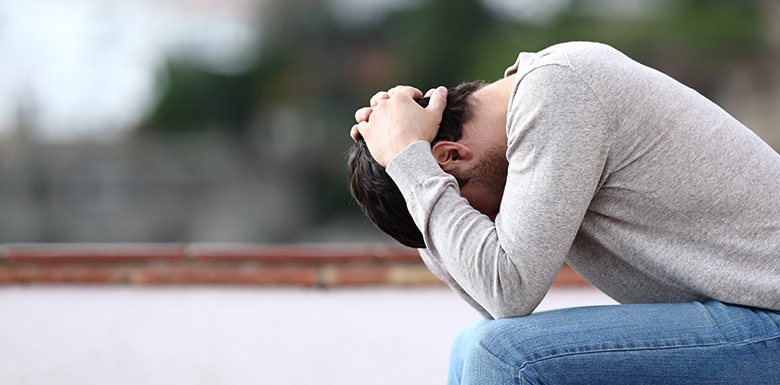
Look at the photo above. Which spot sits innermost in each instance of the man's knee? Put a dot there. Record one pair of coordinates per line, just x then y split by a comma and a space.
489, 352
464, 339
502, 339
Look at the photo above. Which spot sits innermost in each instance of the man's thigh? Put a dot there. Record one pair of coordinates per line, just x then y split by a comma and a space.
708, 343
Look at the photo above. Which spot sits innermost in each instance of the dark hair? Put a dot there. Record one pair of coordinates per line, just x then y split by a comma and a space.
374, 190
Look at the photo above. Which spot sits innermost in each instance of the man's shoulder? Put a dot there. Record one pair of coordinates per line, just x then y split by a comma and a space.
579, 54
579, 46
573, 54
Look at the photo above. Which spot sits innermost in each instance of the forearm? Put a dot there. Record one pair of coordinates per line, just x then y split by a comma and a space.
440, 272
464, 242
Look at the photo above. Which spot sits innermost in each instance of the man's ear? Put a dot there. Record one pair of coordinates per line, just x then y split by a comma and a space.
451, 155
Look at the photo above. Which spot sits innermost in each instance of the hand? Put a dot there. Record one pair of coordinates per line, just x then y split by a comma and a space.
363, 114
395, 120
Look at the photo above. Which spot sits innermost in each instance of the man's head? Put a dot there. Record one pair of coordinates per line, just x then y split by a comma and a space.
380, 198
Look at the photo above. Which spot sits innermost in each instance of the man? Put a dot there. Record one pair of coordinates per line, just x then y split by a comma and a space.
650, 191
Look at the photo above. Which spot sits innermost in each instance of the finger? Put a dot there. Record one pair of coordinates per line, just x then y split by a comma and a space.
412, 92
438, 100
429, 92
409, 90
392, 90
381, 95
362, 114
354, 133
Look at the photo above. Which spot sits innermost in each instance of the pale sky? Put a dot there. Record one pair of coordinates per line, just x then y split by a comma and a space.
91, 68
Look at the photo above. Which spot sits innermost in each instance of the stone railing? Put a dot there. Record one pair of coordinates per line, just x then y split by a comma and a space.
315, 265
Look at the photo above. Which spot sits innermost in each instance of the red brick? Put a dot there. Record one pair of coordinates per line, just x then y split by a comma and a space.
202, 275
411, 274
299, 254
397, 254
42, 274
315, 254
91, 252
362, 275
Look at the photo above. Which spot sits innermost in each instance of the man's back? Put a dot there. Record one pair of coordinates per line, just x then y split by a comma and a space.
687, 205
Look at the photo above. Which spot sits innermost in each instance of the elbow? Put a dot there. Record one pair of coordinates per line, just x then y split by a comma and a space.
512, 298
502, 307
508, 313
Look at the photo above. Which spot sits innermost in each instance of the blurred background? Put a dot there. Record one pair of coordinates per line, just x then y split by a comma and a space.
227, 121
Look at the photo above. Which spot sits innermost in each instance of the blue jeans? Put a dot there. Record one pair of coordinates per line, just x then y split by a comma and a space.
684, 343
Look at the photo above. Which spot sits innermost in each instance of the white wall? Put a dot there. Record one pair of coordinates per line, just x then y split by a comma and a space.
229, 336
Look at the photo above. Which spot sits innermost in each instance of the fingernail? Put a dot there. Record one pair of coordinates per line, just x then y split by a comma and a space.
442, 90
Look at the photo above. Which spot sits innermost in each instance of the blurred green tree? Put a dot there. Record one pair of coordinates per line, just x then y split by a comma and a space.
309, 60
319, 70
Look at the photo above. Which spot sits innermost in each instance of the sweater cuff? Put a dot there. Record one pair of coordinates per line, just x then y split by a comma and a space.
413, 165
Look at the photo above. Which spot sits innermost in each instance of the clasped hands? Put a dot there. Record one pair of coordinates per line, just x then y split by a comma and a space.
394, 120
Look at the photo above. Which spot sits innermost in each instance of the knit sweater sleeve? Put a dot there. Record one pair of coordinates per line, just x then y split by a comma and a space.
557, 147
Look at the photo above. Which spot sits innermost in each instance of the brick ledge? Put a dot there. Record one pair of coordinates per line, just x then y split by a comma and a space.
305, 265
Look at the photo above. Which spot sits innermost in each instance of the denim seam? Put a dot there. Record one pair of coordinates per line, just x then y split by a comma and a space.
597, 351
519, 375
719, 326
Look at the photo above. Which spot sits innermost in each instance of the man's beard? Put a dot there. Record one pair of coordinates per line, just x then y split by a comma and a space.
490, 173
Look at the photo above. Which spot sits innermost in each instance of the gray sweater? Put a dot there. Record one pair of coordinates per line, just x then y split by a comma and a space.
646, 188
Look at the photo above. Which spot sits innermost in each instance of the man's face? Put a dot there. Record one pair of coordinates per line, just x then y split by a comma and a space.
485, 182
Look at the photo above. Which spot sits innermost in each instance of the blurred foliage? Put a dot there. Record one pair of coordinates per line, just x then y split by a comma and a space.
195, 100
315, 71
310, 60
